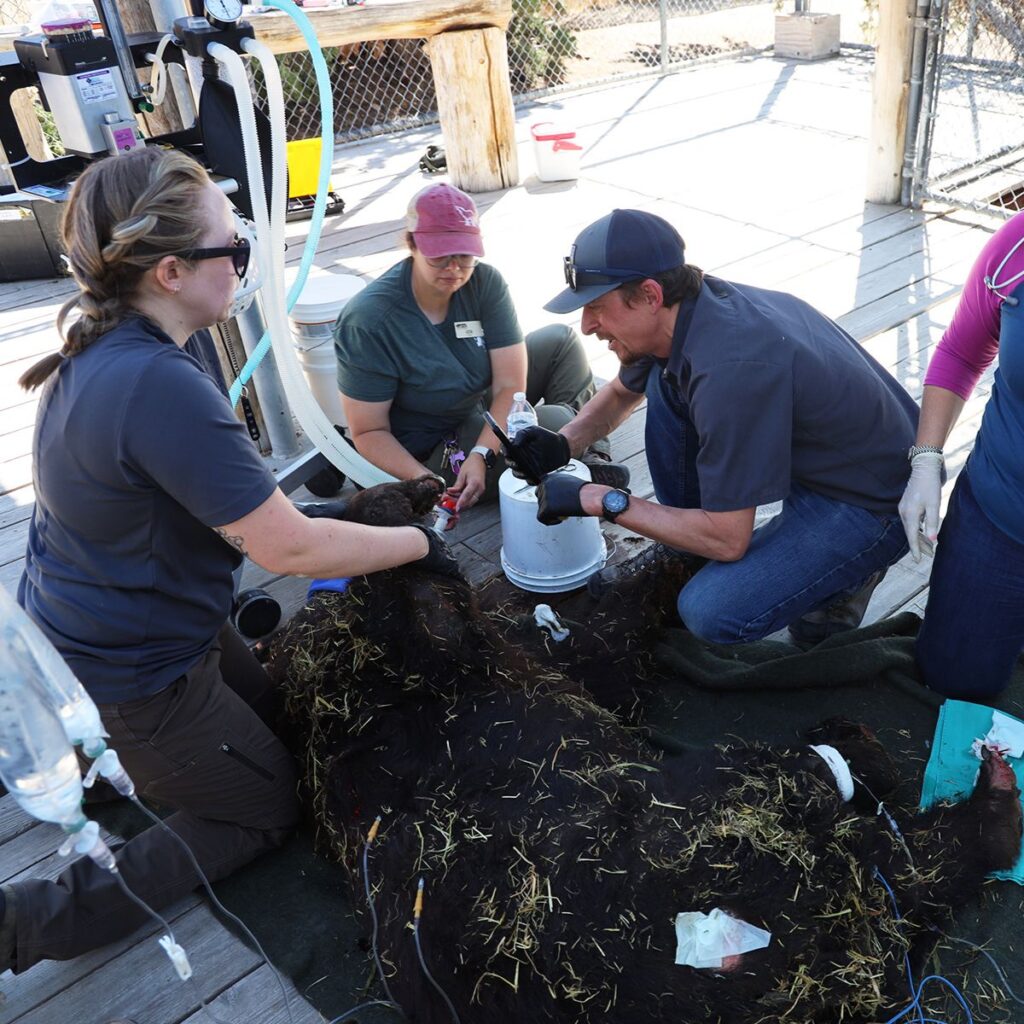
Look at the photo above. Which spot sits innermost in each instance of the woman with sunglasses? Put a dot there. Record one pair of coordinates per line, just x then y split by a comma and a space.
148, 494
425, 349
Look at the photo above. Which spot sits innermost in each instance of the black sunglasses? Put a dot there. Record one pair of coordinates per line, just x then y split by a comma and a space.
239, 251
576, 277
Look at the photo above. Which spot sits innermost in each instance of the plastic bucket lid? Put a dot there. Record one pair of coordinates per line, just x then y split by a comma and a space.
538, 584
324, 296
548, 131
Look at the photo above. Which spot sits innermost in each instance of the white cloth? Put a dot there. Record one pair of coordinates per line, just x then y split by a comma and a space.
705, 940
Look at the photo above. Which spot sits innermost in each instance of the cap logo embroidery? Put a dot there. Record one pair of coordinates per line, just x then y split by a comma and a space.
465, 214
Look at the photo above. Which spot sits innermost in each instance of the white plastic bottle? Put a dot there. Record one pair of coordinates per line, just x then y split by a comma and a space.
520, 415
51, 675
37, 762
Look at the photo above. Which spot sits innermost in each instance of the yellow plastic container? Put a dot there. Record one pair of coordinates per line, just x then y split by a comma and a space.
304, 167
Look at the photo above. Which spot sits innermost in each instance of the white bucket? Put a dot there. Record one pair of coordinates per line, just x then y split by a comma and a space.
323, 297
556, 152
546, 559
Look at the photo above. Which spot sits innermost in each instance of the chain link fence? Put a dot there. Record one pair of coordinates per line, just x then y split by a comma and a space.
387, 85
969, 149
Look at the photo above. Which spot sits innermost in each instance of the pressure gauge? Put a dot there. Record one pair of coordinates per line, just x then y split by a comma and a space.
223, 12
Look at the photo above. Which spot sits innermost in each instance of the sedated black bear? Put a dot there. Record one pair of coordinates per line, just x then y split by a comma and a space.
556, 846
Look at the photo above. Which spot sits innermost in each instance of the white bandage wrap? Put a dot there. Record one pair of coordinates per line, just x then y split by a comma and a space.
840, 769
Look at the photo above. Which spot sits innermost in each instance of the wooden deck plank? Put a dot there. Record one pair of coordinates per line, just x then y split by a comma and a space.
26, 992
13, 821
141, 983
257, 999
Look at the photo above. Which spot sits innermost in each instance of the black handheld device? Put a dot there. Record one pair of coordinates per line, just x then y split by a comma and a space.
498, 432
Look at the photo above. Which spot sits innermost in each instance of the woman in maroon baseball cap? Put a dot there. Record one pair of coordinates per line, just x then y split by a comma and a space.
435, 342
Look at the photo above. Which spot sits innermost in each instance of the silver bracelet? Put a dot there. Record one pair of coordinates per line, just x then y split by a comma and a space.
921, 449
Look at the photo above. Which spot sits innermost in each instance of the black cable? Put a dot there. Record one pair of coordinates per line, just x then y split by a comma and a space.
141, 903
217, 903
373, 912
426, 970
988, 956
366, 1006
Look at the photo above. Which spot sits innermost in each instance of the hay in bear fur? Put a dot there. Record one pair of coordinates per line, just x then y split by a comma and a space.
556, 847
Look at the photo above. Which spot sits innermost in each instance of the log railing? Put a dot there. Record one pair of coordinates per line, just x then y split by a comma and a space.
468, 57
469, 60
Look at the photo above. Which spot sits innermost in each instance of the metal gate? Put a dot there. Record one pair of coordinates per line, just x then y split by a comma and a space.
965, 129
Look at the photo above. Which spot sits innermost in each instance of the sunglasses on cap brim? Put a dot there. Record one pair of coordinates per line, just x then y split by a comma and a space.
580, 277
239, 251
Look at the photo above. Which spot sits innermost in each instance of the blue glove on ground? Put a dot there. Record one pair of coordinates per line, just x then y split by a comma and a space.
558, 498
535, 452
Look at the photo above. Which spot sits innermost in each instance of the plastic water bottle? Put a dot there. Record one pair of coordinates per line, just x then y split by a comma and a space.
48, 671
37, 762
521, 415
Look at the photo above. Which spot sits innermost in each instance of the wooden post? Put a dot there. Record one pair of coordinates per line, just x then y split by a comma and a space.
474, 103
889, 95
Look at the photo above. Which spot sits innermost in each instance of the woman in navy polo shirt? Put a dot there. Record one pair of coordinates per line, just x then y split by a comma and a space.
148, 495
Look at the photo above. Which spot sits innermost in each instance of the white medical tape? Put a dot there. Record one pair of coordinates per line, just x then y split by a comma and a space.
839, 768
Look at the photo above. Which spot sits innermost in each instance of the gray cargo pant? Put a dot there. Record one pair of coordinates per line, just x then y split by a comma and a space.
200, 747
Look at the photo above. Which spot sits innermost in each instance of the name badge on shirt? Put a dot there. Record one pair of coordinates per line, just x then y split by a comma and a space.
470, 329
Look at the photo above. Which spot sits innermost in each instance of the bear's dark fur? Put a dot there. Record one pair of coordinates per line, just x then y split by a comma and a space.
557, 847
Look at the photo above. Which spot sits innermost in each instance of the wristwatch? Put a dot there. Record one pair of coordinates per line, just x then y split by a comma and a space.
486, 454
613, 504
920, 449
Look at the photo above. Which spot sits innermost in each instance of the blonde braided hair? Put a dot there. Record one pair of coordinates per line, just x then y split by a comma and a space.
125, 214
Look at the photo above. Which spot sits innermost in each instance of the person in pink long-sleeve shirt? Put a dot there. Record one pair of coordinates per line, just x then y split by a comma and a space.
973, 630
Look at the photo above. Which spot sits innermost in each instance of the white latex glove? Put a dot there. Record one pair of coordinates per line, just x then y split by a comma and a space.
919, 506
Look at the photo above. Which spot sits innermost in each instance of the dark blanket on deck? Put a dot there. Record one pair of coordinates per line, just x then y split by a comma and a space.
702, 694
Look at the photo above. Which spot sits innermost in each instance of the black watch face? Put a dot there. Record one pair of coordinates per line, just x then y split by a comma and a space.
615, 502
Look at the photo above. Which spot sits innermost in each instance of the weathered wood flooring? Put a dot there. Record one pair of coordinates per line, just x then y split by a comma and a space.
759, 162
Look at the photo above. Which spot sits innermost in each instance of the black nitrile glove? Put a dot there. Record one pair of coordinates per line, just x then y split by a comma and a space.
535, 452
323, 509
558, 498
439, 558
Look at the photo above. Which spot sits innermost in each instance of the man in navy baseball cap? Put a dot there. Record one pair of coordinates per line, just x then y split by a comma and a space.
626, 245
753, 397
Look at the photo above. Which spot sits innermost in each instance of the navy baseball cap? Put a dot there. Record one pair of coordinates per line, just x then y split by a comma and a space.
626, 245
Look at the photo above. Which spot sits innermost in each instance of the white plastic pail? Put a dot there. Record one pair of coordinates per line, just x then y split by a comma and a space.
323, 297
546, 559
556, 152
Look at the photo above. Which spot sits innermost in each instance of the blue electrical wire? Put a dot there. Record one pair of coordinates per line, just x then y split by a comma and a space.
916, 990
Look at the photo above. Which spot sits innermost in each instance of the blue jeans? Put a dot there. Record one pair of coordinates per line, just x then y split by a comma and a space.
815, 551
973, 629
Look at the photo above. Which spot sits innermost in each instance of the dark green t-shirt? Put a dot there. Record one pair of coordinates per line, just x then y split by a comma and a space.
434, 375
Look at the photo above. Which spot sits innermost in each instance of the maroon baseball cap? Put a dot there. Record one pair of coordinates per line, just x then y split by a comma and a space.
444, 222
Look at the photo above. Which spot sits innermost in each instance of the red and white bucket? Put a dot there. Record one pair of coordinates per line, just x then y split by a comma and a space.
556, 151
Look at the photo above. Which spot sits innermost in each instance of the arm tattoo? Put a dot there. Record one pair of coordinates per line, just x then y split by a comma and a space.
235, 542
